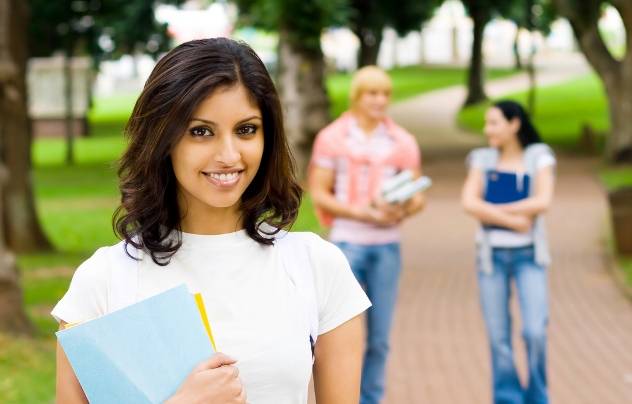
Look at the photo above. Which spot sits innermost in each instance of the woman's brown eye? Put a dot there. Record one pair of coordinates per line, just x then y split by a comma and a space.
200, 132
247, 130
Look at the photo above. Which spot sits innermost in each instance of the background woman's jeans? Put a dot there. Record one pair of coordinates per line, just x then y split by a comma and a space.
377, 268
495, 293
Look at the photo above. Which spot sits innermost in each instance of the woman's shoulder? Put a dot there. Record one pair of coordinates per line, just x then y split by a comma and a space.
106, 260
538, 155
88, 295
482, 156
539, 149
307, 239
321, 253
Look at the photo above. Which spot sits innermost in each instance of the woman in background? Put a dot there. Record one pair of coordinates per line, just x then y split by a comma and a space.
508, 188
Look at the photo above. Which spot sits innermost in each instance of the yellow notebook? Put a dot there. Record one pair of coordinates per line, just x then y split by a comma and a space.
200, 305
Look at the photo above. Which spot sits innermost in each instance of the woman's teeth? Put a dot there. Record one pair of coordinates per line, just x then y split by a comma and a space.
224, 177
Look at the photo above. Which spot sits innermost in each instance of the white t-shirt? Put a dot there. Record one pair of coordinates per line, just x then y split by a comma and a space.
252, 305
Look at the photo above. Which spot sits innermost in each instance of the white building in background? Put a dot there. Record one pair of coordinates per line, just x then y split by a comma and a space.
446, 40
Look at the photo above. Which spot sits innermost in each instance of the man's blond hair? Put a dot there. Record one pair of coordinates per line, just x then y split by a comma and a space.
368, 78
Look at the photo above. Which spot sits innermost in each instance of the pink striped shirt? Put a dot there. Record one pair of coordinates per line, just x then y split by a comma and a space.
361, 163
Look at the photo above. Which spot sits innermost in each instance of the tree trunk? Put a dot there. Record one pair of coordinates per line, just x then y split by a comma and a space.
13, 16
301, 82
370, 40
516, 50
476, 74
21, 225
531, 62
68, 98
616, 75
619, 142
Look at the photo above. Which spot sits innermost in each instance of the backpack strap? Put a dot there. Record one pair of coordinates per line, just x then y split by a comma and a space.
123, 289
295, 257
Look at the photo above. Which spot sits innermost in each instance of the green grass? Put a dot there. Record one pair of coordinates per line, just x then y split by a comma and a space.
407, 82
616, 177
626, 266
27, 370
560, 112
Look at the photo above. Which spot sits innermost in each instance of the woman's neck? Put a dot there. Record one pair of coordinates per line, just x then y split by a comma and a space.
211, 224
511, 151
203, 219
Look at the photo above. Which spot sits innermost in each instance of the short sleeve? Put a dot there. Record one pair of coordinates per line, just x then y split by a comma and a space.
340, 296
546, 160
412, 159
324, 152
474, 159
86, 297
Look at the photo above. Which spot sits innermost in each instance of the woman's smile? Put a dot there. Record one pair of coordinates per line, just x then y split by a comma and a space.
223, 180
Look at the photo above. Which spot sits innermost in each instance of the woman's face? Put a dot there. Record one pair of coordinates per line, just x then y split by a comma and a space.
219, 154
498, 129
373, 103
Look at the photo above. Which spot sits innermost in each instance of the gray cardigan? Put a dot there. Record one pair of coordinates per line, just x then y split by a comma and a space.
487, 159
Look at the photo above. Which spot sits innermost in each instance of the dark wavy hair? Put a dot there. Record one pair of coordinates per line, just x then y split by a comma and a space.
527, 134
181, 80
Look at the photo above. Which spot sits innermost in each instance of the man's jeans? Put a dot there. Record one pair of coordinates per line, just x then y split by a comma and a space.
377, 269
495, 292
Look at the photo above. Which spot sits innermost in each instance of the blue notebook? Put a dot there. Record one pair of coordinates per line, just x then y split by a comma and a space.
505, 187
139, 354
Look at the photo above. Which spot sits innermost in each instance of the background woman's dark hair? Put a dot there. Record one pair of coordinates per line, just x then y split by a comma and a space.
181, 80
527, 134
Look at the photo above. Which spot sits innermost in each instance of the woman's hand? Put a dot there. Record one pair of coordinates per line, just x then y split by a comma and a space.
215, 380
522, 223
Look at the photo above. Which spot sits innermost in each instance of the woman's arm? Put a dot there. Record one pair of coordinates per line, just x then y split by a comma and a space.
338, 364
487, 212
68, 389
540, 201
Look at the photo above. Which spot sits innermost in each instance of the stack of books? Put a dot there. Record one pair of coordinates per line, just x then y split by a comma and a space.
402, 187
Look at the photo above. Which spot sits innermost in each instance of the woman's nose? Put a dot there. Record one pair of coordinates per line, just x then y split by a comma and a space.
227, 153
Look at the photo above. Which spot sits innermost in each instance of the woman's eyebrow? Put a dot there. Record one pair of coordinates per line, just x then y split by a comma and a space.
214, 124
249, 119
203, 120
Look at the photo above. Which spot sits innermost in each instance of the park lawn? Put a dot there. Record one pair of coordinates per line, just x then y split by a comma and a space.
626, 266
75, 206
616, 176
560, 113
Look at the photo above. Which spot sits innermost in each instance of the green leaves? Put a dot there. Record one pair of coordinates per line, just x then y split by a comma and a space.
303, 20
